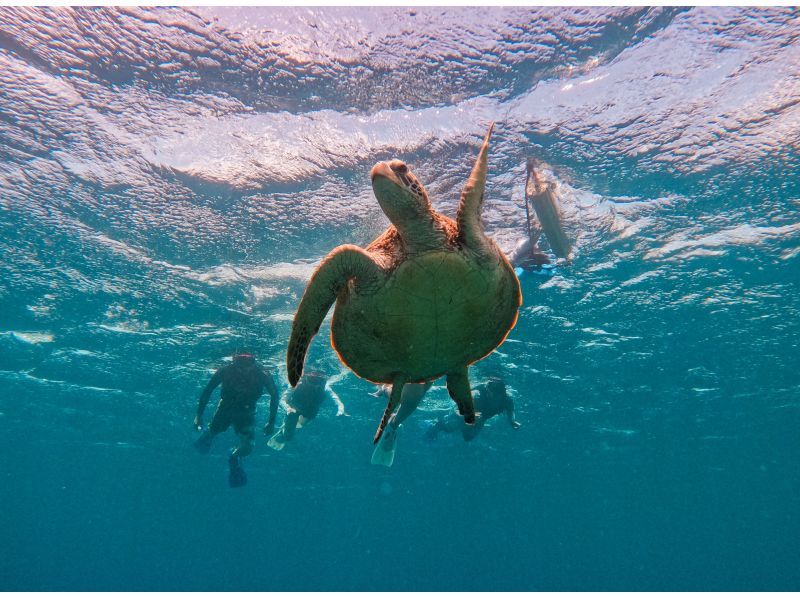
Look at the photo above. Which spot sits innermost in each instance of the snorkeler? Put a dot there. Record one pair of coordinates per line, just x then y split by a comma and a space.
302, 404
243, 382
491, 398
409, 400
527, 256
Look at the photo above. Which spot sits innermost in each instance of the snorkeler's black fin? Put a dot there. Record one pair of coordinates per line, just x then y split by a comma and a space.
236, 476
203, 443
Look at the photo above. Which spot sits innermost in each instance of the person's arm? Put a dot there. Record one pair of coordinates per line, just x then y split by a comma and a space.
205, 396
339, 405
520, 253
510, 414
274, 400
382, 391
284, 402
527, 256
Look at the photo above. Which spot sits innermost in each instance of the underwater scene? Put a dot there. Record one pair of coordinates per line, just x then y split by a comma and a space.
400, 299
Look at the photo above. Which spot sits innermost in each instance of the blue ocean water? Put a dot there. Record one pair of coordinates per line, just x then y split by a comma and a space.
169, 179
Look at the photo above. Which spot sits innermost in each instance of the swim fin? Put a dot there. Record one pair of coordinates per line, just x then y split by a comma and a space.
203, 443
277, 442
237, 476
385, 449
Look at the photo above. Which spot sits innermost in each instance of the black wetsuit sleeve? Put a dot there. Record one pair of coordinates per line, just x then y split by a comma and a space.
215, 381
274, 400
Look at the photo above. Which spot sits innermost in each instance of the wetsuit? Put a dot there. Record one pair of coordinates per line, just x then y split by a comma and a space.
492, 401
243, 382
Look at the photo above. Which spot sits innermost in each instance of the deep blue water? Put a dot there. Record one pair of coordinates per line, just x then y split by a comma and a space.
170, 177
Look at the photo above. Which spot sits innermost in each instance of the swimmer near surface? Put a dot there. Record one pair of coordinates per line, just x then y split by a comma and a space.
427, 298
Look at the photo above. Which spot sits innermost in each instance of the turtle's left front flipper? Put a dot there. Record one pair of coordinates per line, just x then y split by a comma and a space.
458, 387
345, 263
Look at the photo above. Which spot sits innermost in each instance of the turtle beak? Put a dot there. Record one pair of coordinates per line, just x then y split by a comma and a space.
391, 186
382, 169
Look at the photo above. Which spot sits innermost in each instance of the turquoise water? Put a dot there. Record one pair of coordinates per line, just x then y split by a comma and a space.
170, 177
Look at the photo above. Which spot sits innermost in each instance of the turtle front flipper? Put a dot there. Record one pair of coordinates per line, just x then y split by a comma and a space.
470, 228
345, 263
394, 401
458, 387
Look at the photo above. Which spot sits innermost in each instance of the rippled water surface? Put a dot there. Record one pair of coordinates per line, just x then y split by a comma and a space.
170, 177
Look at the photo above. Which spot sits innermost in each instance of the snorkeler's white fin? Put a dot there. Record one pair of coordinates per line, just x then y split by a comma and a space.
384, 450
277, 442
301, 421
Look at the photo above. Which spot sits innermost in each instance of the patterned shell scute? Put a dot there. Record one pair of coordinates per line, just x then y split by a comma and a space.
438, 311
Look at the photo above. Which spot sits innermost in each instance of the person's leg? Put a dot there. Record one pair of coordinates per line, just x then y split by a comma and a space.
219, 423
452, 422
204, 441
236, 474
470, 432
245, 430
286, 431
244, 426
408, 404
290, 424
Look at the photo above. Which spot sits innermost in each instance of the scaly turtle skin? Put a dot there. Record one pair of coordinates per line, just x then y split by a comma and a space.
427, 298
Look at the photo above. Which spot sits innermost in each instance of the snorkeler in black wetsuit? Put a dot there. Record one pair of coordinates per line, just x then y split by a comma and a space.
243, 382
491, 398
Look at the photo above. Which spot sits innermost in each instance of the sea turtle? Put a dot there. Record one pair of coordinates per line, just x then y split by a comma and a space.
425, 299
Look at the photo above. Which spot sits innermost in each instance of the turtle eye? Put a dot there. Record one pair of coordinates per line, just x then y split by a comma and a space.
398, 166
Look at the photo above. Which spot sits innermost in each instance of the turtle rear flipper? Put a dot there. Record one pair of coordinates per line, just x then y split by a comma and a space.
394, 401
458, 387
345, 263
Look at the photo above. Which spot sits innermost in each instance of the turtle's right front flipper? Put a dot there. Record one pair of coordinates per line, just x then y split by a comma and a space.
345, 263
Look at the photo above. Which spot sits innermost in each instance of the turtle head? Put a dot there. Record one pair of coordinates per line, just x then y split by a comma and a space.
400, 194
